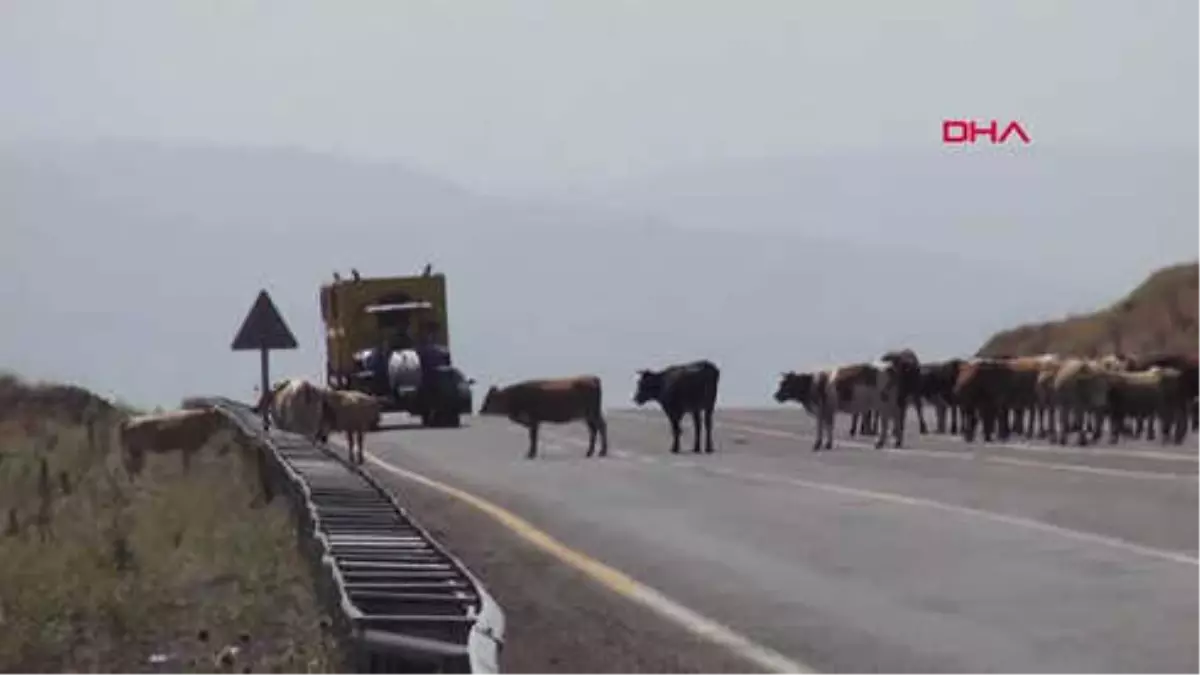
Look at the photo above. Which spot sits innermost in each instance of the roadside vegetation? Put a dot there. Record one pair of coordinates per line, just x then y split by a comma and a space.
1159, 316
170, 572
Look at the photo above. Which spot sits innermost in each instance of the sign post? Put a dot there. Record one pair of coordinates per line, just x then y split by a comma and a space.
264, 329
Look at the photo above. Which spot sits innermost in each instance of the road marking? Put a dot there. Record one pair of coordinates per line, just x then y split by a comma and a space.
1027, 447
1161, 554
613, 579
893, 498
974, 454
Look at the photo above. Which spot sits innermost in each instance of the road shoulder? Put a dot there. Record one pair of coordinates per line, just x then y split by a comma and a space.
556, 618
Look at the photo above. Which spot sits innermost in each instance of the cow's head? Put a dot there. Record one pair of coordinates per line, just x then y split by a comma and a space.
794, 387
493, 402
649, 386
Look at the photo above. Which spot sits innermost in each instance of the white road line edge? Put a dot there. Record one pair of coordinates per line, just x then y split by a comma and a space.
893, 498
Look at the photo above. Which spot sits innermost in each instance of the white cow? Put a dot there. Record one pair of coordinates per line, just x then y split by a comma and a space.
299, 406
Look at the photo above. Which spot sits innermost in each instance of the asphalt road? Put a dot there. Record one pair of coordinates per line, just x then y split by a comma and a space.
936, 557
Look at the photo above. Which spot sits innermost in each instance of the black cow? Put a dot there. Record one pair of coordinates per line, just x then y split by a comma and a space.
680, 389
908, 366
937, 388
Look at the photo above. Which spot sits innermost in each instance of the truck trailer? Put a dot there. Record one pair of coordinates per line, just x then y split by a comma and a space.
390, 337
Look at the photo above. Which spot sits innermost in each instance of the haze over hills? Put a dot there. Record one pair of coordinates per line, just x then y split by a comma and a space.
131, 264
1124, 212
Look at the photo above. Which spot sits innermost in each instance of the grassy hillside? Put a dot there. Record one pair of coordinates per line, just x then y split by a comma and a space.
174, 572
1158, 316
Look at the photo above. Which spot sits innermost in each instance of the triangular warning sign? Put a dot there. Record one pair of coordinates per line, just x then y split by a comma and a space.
264, 328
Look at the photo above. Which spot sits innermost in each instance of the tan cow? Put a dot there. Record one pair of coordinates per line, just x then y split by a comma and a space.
533, 402
1081, 396
183, 430
354, 413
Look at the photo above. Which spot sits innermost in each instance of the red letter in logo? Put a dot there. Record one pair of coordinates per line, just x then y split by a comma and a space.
1015, 126
989, 131
954, 125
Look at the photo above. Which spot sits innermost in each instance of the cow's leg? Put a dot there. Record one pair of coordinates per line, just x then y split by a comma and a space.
676, 430
854, 419
698, 431
1183, 418
708, 441
820, 428
592, 432
1084, 432
1068, 424
359, 435
1195, 407
533, 437
829, 425
601, 425
1006, 414
884, 423
968, 424
955, 413
916, 403
939, 415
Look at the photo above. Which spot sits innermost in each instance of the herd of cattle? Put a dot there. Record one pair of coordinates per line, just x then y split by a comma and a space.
295, 405
1047, 396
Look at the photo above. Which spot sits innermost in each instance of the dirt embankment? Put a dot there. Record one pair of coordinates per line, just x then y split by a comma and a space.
1159, 316
170, 572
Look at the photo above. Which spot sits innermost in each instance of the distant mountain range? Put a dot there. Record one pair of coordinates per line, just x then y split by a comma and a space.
130, 265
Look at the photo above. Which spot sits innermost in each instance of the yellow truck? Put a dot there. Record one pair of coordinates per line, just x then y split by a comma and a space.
389, 337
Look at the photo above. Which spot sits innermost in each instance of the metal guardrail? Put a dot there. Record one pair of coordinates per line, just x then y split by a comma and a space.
401, 603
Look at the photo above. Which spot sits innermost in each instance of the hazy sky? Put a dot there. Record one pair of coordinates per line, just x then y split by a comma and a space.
529, 96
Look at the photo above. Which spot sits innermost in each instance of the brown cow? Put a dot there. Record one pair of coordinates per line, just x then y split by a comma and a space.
533, 402
183, 430
976, 390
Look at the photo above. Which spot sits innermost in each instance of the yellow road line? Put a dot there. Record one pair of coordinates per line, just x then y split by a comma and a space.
613, 579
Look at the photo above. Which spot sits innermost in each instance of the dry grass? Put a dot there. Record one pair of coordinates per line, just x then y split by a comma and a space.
1159, 316
98, 573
